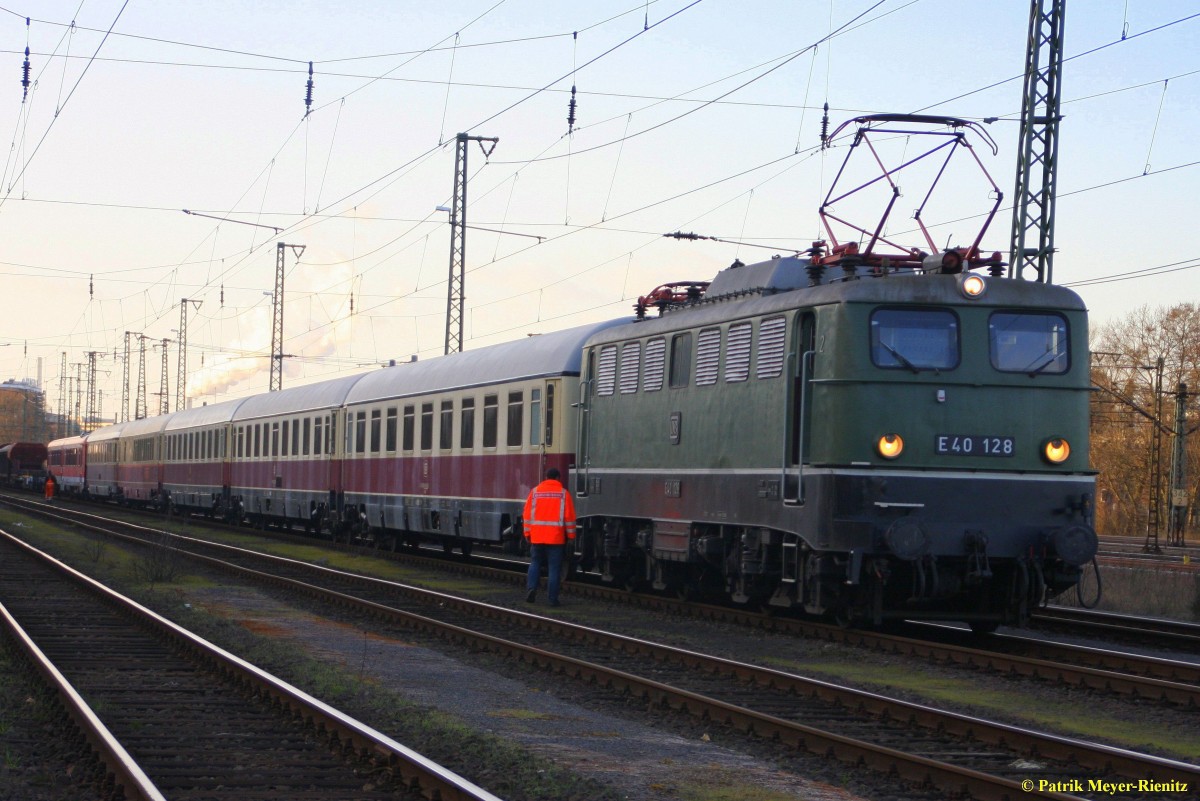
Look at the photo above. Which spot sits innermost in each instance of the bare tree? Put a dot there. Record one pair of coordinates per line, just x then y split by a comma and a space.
1125, 415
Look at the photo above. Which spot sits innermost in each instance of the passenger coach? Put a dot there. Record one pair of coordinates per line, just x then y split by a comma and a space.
66, 463
448, 449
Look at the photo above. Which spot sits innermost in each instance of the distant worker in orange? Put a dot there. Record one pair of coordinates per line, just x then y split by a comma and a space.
49, 488
549, 524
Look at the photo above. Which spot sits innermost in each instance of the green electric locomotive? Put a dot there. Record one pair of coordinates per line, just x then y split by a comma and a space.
906, 443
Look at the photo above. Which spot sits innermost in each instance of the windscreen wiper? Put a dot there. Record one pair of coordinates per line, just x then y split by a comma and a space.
898, 356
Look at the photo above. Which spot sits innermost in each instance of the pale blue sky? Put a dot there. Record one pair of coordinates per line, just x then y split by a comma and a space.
205, 112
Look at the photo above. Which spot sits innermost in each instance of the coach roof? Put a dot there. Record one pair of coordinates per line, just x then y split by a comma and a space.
197, 416
558, 353
147, 425
297, 400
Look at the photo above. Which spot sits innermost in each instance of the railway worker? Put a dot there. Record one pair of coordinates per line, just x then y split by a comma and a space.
549, 524
50, 488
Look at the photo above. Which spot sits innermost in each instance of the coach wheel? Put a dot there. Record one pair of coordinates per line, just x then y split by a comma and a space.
447, 547
466, 548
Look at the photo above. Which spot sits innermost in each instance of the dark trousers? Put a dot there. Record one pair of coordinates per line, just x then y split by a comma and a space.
552, 555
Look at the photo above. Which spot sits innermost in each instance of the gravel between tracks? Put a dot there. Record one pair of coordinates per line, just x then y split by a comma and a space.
642, 763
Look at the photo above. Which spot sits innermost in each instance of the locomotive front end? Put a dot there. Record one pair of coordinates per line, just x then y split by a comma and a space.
953, 455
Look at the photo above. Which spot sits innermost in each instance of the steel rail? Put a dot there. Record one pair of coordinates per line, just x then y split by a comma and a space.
1178, 631
421, 774
123, 770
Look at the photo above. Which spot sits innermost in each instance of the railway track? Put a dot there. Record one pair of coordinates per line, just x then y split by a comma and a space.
1104, 670
1177, 634
183, 719
922, 745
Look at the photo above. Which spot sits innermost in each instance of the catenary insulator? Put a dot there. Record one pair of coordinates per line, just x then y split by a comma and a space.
571, 112
308, 93
25, 76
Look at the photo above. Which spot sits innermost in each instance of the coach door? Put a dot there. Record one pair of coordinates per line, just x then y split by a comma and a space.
584, 423
799, 407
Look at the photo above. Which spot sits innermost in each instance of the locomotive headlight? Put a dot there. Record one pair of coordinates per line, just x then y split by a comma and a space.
1056, 451
973, 286
890, 446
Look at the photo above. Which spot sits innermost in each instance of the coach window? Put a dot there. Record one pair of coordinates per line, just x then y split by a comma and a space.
681, 360
535, 416
466, 436
390, 431
708, 356
307, 435
257, 440
295, 437
330, 432
426, 426
237, 441
274, 439
1028, 342
549, 415
914, 339
446, 426
287, 429
316, 448
655, 365
409, 428
516, 409
359, 435
376, 429
491, 414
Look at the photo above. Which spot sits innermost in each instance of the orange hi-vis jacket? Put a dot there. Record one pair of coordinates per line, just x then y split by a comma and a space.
549, 514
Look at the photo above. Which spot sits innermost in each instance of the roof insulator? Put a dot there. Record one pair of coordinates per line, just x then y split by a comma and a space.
308, 93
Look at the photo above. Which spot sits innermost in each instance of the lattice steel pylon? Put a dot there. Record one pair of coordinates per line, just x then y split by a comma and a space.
139, 400
181, 374
1037, 158
164, 402
79, 395
89, 418
1154, 512
62, 395
456, 291
125, 381
277, 354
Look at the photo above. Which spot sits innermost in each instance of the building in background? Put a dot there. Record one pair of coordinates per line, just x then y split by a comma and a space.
23, 413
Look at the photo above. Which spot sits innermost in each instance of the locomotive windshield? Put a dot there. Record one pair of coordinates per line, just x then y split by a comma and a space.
1028, 342
914, 339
